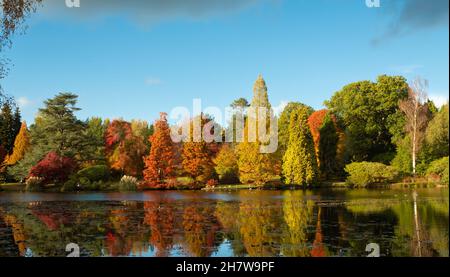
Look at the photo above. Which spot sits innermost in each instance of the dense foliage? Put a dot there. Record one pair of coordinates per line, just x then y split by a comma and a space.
299, 161
363, 174
367, 122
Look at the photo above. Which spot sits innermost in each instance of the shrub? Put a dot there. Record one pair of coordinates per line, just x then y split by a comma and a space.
362, 174
212, 183
128, 183
34, 184
53, 168
440, 168
95, 173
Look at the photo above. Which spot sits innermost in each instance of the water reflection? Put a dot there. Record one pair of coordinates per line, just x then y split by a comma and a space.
242, 223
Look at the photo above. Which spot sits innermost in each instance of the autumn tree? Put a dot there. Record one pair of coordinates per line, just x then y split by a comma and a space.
283, 124
124, 150
416, 111
226, 165
160, 164
299, 161
21, 146
254, 166
197, 153
53, 168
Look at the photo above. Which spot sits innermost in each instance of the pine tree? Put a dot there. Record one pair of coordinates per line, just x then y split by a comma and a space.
160, 164
21, 146
299, 161
9, 127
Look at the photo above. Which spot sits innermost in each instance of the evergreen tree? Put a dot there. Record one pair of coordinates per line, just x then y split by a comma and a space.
299, 161
56, 129
59, 127
9, 126
328, 142
160, 163
254, 166
283, 124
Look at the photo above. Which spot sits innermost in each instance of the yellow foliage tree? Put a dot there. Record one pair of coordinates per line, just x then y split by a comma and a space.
21, 146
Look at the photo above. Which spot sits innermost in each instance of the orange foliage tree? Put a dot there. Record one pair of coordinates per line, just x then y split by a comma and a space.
161, 162
197, 156
124, 149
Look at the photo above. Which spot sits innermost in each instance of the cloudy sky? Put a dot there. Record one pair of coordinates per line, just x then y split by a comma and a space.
133, 59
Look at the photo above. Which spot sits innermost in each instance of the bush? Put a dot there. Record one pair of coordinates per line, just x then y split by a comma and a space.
212, 183
95, 173
128, 183
53, 168
440, 168
89, 178
34, 184
362, 174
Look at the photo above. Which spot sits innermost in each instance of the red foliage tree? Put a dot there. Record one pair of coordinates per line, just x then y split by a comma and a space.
160, 163
124, 149
53, 168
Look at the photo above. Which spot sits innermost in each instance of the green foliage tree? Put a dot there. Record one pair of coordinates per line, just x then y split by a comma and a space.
369, 112
299, 161
10, 123
437, 135
94, 151
328, 142
57, 129
283, 124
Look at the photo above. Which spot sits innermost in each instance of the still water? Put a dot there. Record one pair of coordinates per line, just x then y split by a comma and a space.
239, 223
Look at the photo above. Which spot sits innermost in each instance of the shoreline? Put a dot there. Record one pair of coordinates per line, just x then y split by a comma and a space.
17, 187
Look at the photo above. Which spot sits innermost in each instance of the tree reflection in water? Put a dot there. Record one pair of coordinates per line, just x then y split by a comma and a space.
244, 223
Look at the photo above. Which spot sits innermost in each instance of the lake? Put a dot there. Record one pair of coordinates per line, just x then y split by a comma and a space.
299, 223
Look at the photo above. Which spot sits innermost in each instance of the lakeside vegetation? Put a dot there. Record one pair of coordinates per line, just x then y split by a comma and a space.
362, 139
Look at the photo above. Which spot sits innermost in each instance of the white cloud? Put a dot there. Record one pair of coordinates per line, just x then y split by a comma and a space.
23, 102
439, 99
277, 110
152, 81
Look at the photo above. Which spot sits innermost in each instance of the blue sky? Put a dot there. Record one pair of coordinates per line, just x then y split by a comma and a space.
133, 59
